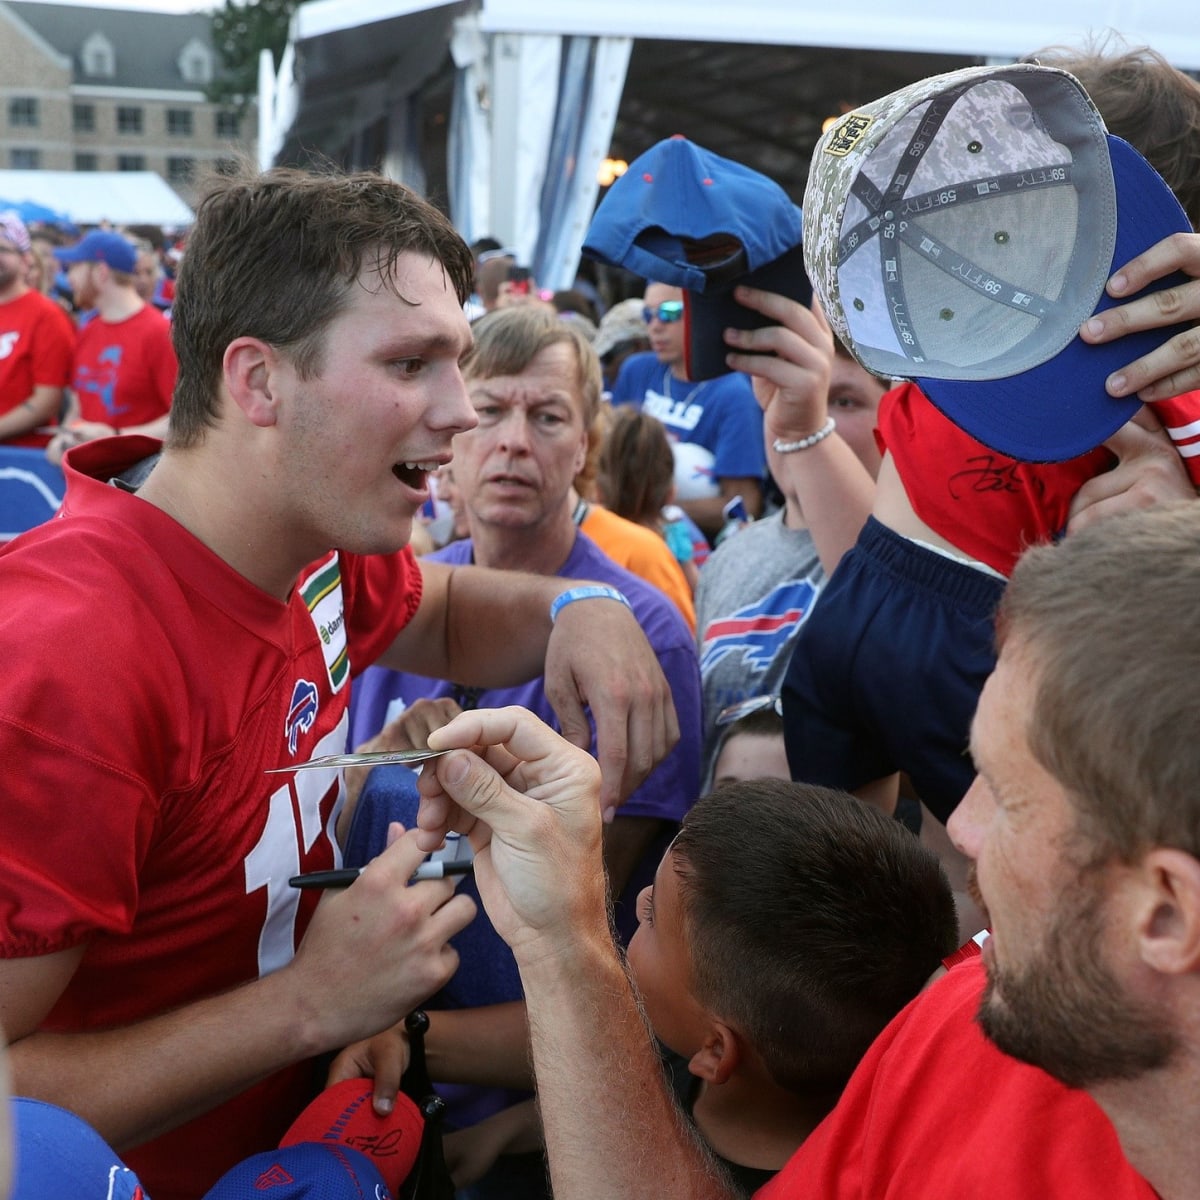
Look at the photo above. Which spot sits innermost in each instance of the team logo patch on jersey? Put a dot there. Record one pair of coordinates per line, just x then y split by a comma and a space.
322, 593
759, 631
302, 712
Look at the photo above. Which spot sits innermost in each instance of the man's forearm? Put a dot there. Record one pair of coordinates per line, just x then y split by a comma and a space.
612, 1130
137, 1082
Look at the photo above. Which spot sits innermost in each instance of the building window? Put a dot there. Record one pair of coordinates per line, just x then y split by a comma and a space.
181, 170
23, 111
24, 160
83, 118
86, 162
98, 57
196, 62
129, 119
179, 122
229, 125
225, 166
131, 162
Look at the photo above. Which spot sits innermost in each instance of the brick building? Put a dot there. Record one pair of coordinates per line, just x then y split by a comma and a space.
105, 89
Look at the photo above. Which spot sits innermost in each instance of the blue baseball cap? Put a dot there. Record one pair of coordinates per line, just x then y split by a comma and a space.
684, 216
960, 230
59, 1154
305, 1171
104, 246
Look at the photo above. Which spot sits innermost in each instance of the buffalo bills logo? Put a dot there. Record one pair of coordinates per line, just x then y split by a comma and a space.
758, 632
302, 712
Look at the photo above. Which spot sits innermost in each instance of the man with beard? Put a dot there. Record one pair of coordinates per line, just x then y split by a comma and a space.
36, 337
124, 369
1083, 825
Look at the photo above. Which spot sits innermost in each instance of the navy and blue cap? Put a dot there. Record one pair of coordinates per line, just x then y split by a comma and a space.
59, 1154
104, 246
305, 1171
684, 216
959, 232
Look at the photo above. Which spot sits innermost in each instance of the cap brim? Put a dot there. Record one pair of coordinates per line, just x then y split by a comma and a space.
1059, 409
709, 313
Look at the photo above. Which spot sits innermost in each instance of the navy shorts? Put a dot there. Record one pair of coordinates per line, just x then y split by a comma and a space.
887, 670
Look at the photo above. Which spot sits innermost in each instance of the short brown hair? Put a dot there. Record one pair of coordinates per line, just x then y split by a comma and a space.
636, 469
1107, 616
1146, 101
508, 340
275, 255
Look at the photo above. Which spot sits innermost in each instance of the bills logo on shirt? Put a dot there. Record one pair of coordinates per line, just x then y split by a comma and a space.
758, 632
302, 712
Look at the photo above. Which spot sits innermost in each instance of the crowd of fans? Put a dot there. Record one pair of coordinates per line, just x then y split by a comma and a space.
756, 724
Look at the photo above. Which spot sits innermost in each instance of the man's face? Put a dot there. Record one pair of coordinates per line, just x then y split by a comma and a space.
516, 468
359, 439
145, 274
82, 279
12, 265
1058, 994
660, 965
666, 337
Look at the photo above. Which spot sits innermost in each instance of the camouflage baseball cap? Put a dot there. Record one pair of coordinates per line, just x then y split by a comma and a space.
960, 230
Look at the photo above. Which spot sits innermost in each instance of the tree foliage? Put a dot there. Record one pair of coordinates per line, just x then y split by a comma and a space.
240, 30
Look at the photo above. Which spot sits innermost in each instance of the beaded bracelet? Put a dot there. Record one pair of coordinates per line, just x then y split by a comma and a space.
805, 442
592, 592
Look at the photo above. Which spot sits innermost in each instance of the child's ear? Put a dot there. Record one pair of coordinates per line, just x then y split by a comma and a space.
718, 1057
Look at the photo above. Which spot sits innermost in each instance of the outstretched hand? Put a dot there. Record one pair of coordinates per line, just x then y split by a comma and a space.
1174, 367
789, 363
598, 656
528, 801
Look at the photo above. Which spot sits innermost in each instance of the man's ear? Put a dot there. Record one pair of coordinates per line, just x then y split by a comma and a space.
1168, 928
248, 367
718, 1057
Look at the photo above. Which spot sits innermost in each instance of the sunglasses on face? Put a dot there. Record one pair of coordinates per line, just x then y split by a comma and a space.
666, 312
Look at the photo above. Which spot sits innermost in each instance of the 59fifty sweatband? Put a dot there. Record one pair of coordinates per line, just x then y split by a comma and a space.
595, 591
960, 230
684, 216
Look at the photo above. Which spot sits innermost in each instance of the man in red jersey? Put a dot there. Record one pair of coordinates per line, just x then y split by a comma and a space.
123, 370
36, 337
180, 643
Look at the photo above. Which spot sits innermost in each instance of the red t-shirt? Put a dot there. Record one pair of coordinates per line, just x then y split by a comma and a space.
936, 1112
36, 339
156, 688
124, 371
990, 506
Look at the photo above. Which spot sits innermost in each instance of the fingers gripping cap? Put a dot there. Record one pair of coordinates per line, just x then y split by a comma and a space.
959, 231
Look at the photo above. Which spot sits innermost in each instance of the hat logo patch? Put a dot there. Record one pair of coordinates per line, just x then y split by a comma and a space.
848, 134
272, 1177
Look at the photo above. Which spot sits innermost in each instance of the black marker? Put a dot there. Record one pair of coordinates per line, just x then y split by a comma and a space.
347, 875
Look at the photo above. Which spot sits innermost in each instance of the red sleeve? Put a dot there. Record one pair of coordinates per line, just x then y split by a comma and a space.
1180, 416
382, 594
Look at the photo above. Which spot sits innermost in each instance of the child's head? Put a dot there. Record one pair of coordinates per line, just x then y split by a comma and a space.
636, 469
794, 920
752, 748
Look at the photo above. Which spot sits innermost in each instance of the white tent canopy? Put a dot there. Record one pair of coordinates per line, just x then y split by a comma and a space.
93, 197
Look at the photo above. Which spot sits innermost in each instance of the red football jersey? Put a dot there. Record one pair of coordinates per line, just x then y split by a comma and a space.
153, 688
36, 340
124, 372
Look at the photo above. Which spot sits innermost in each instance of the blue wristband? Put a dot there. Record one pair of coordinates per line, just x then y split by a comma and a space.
592, 592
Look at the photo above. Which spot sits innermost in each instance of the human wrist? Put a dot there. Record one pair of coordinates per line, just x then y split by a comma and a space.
591, 591
791, 446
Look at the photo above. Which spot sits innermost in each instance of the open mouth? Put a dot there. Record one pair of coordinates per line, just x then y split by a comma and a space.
413, 474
